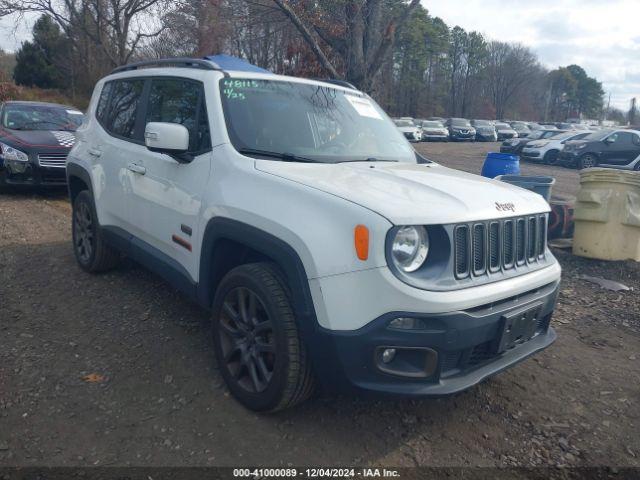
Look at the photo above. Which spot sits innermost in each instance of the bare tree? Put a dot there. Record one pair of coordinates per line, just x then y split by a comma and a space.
509, 66
361, 32
117, 27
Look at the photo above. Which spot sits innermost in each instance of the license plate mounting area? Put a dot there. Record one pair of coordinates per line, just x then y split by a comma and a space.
518, 326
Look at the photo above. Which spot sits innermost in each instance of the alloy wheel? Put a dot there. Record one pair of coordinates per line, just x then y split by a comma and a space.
83, 229
247, 340
588, 161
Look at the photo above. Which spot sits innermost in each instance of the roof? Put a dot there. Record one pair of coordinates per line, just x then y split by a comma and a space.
228, 65
227, 62
41, 104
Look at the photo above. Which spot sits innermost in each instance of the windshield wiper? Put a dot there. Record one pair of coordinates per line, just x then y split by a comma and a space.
285, 157
368, 159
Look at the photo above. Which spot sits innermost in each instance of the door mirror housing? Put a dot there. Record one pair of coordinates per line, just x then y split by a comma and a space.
169, 138
610, 140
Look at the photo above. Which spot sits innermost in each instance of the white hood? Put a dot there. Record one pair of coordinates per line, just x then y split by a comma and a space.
409, 194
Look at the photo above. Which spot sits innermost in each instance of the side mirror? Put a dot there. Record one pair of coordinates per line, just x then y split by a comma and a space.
169, 138
609, 140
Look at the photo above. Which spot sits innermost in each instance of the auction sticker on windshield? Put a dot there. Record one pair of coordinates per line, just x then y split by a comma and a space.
363, 106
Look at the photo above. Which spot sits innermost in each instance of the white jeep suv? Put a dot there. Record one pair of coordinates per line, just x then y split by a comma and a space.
327, 250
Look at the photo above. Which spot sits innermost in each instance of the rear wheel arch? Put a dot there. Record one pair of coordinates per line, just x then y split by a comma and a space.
78, 179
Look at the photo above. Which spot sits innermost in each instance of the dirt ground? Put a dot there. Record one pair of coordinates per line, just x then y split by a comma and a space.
117, 370
470, 156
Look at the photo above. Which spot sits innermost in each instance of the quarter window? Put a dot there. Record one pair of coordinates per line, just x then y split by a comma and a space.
625, 138
101, 110
179, 101
120, 119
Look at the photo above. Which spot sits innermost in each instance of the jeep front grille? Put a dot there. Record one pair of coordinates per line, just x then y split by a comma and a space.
56, 160
483, 248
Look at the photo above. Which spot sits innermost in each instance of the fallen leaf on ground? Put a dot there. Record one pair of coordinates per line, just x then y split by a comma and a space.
93, 378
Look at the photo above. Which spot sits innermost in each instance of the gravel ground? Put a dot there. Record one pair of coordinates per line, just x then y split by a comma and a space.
116, 369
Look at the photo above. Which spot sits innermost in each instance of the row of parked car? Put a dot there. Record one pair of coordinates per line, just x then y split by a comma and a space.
616, 148
462, 129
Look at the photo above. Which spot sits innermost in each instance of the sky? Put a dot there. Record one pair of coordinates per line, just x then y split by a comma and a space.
603, 36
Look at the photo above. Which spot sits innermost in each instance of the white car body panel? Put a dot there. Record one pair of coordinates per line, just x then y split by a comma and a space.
330, 294
413, 194
551, 144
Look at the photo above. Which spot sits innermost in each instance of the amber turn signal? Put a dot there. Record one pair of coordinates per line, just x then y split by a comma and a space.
361, 239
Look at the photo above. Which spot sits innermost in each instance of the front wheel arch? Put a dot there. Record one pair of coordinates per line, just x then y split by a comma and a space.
228, 243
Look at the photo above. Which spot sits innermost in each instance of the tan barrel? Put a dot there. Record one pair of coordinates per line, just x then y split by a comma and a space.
607, 215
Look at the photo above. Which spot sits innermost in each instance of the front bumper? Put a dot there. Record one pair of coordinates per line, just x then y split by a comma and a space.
434, 136
467, 345
510, 149
568, 158
31, 174
413, 137
462, 136
531, 155
487, 137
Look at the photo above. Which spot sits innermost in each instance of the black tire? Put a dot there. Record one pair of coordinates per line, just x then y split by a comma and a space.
588, 160
258, 348
92, 252
551, 157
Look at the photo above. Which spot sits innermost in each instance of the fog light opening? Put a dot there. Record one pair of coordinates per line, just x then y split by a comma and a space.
413, 362
408, 323
388, 354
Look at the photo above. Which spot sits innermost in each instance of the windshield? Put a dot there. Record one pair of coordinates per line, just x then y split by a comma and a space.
482, 123
563, 135
504, 126
404, 123
460, 122
519, 126
40, 117
432, 124
536, 134
547, 133
315, 122
598, 136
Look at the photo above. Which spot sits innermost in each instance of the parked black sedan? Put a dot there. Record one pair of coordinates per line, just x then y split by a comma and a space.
35, 139
515, 145
604, 148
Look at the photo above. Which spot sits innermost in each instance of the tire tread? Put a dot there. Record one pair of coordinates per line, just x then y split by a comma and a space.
299, 384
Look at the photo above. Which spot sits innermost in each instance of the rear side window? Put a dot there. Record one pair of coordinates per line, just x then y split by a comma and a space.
120, 116
625, 138
176, 100
103, 102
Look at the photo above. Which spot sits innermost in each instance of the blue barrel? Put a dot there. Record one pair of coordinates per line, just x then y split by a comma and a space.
500, 164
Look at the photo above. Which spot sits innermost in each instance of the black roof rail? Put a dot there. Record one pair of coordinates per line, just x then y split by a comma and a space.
182, 62
336, 81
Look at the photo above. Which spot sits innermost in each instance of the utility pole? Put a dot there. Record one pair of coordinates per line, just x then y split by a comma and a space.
606, 112
632, 112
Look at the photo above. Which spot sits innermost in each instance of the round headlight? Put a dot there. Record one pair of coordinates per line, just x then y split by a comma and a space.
410, 248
